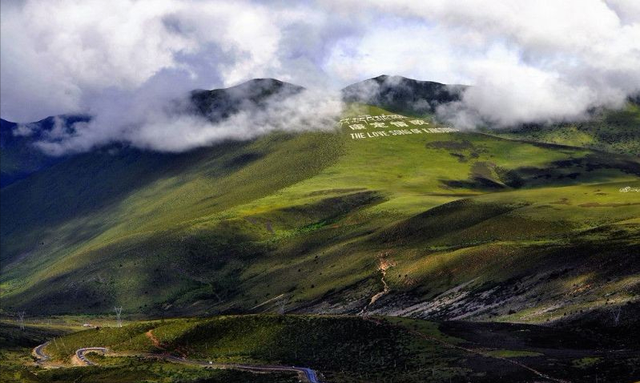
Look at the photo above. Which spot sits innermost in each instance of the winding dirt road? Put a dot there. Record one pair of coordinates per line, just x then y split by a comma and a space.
306, 374
38, 352
81, 354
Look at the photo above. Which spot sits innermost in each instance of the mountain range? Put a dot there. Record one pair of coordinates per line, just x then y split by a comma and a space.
489, 225
393, 248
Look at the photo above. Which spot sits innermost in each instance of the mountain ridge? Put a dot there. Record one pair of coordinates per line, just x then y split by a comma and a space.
312, 216
215, 105
403, 95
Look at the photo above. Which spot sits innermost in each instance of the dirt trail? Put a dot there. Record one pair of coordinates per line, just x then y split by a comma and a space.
153, 339
267, 301
383, 265
470, 350
79, 359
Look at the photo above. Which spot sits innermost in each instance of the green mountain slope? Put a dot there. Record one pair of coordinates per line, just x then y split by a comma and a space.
464, 225
371, 349
402, 95
616, 131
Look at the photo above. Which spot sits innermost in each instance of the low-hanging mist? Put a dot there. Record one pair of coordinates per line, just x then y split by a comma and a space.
177, 125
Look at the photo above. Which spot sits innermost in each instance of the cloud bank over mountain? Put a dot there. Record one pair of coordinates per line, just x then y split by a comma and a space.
173, 125
527, 61
127, 62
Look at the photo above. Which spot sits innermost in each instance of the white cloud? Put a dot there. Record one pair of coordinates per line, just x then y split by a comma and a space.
412, 50
147, 122
58, 56
124, 60
534, 61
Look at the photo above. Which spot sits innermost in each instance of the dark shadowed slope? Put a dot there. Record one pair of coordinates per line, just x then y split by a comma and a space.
464, 225
219, 104
402, 95
19, 157
616, 131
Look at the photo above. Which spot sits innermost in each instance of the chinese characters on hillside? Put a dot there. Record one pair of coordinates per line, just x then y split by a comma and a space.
399, 125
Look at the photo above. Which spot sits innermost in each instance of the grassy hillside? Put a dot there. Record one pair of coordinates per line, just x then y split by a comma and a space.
615, 131
17, 366
369, 349
402, 95
464, 225
16, 346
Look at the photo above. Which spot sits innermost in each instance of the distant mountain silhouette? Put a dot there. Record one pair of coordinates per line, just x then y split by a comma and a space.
219, 104
19, 157
401, 94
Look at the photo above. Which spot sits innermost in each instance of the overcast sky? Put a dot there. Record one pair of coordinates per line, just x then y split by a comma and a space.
542, 60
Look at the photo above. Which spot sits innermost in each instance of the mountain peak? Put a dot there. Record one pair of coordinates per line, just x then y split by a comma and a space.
402, 95
218, 104
386, 77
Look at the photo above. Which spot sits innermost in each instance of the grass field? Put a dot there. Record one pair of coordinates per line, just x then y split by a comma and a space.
479, 234
612, 131
469, 226
369, 349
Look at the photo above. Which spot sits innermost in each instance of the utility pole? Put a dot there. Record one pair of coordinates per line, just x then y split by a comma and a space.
21, 319
616, 315
118, 311
283, 302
